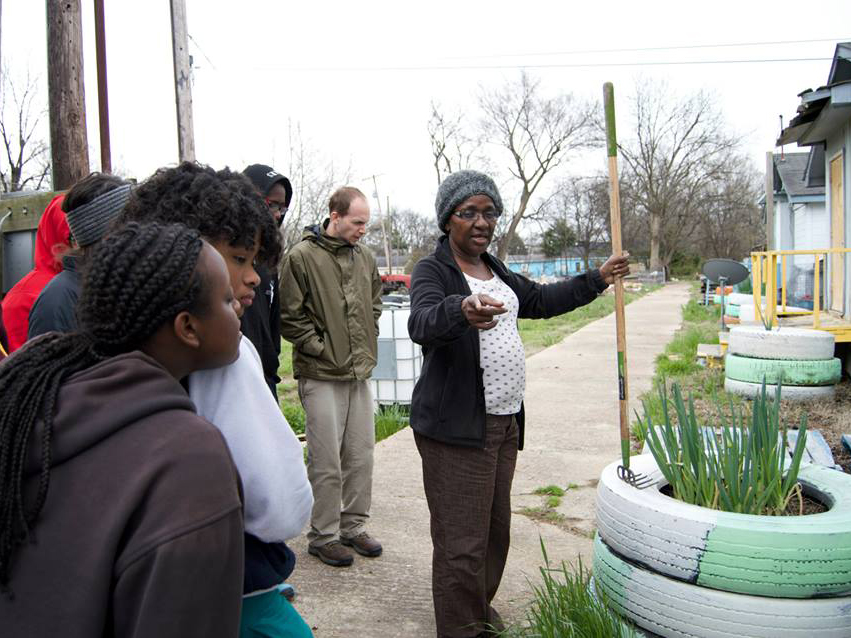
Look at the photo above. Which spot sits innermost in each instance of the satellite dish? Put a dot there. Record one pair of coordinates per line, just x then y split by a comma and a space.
732, 272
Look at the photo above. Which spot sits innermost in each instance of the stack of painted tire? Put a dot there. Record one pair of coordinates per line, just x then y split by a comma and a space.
799, 358
680, 570
732, 302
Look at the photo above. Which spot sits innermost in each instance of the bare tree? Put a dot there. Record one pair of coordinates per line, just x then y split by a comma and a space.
454, 146
732, 221
26, 161
583, 204
681, 146
537, 132
314, 179
409, 233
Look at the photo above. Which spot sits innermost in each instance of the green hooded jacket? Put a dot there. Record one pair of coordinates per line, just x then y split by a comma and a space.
330, 303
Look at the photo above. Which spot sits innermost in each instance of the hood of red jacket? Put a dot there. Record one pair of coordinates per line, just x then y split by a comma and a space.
51, 240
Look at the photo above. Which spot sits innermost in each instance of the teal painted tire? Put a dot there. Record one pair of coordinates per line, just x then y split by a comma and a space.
672, 608
787, 372
731, 310
779, 557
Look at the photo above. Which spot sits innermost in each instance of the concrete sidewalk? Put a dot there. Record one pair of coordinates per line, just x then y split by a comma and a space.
571, 434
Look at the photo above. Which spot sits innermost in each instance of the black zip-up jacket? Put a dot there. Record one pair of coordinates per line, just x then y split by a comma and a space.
449, 399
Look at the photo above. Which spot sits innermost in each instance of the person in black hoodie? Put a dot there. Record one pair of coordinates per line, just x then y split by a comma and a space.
261, 322
120, 508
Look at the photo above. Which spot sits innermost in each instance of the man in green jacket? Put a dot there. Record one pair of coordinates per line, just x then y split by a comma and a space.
330, 304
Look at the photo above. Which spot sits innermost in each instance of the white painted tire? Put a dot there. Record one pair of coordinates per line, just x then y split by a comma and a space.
787, 392
674, 609
779, 557
783, 343
789, 373
747, 312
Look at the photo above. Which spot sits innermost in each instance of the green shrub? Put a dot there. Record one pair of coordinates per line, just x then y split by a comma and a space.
294, 414
390, 419
741, 469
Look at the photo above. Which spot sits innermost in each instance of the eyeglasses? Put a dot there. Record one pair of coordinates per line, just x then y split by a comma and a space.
276, 207
469, 214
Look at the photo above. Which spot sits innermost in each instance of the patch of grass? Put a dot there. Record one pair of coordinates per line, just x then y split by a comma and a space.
564, 607
545, 514
552, 490
552, 501
694, 312
538, 334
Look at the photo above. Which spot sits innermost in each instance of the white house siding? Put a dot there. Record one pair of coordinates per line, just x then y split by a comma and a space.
783, 239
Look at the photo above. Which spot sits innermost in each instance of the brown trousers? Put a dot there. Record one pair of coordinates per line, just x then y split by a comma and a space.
469, 497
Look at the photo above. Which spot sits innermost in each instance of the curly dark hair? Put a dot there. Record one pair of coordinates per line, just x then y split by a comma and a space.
221, 205
140, 277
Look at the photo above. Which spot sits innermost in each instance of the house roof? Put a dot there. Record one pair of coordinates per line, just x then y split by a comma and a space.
827, 108
794, 178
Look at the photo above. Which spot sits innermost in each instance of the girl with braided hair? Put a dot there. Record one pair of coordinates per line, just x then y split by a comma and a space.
120, 508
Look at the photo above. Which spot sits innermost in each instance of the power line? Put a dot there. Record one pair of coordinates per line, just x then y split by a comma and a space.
638, 49
554, 65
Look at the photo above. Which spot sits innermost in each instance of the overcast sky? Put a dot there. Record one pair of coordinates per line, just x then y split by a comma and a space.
358, 77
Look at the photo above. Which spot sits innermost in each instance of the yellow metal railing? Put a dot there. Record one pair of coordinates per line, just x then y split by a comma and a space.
764, 273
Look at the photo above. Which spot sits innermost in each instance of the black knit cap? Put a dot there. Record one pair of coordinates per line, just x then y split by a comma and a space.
458, 187
265, 177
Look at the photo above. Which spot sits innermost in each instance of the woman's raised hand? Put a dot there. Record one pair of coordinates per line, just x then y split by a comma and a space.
480, 311
615, 266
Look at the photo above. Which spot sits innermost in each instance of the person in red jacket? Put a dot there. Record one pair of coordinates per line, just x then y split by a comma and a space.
51, 242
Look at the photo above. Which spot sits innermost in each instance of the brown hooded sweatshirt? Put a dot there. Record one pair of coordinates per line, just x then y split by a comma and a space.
141, 533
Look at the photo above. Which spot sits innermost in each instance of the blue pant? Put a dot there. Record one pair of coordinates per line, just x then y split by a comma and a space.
270, 615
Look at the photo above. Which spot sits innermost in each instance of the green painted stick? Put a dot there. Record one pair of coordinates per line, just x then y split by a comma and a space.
617, 249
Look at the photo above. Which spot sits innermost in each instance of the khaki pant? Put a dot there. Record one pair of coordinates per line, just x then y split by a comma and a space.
469, 498
340, 430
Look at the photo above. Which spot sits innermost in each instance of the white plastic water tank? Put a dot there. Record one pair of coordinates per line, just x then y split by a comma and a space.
399, 358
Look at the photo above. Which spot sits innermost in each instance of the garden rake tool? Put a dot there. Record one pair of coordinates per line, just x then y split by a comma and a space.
624, 473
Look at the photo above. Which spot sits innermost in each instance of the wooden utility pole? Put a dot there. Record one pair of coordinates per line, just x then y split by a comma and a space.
103, 92
182, 82
69, 148
769, 201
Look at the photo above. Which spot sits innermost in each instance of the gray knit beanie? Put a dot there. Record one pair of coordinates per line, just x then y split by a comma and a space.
458, 187
88, 223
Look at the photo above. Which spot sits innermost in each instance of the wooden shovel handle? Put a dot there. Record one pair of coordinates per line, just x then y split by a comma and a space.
617, 249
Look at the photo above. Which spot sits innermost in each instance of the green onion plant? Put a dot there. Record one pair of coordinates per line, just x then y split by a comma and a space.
740, 466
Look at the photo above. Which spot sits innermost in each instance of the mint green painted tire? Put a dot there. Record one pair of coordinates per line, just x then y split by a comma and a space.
731, 310
672, 608
789, 392
779, 557
787, 372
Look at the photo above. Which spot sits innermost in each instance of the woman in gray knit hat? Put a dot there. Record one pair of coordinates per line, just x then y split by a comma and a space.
467, 408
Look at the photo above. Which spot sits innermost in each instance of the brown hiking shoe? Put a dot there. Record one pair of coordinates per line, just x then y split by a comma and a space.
332, 554
363, 544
